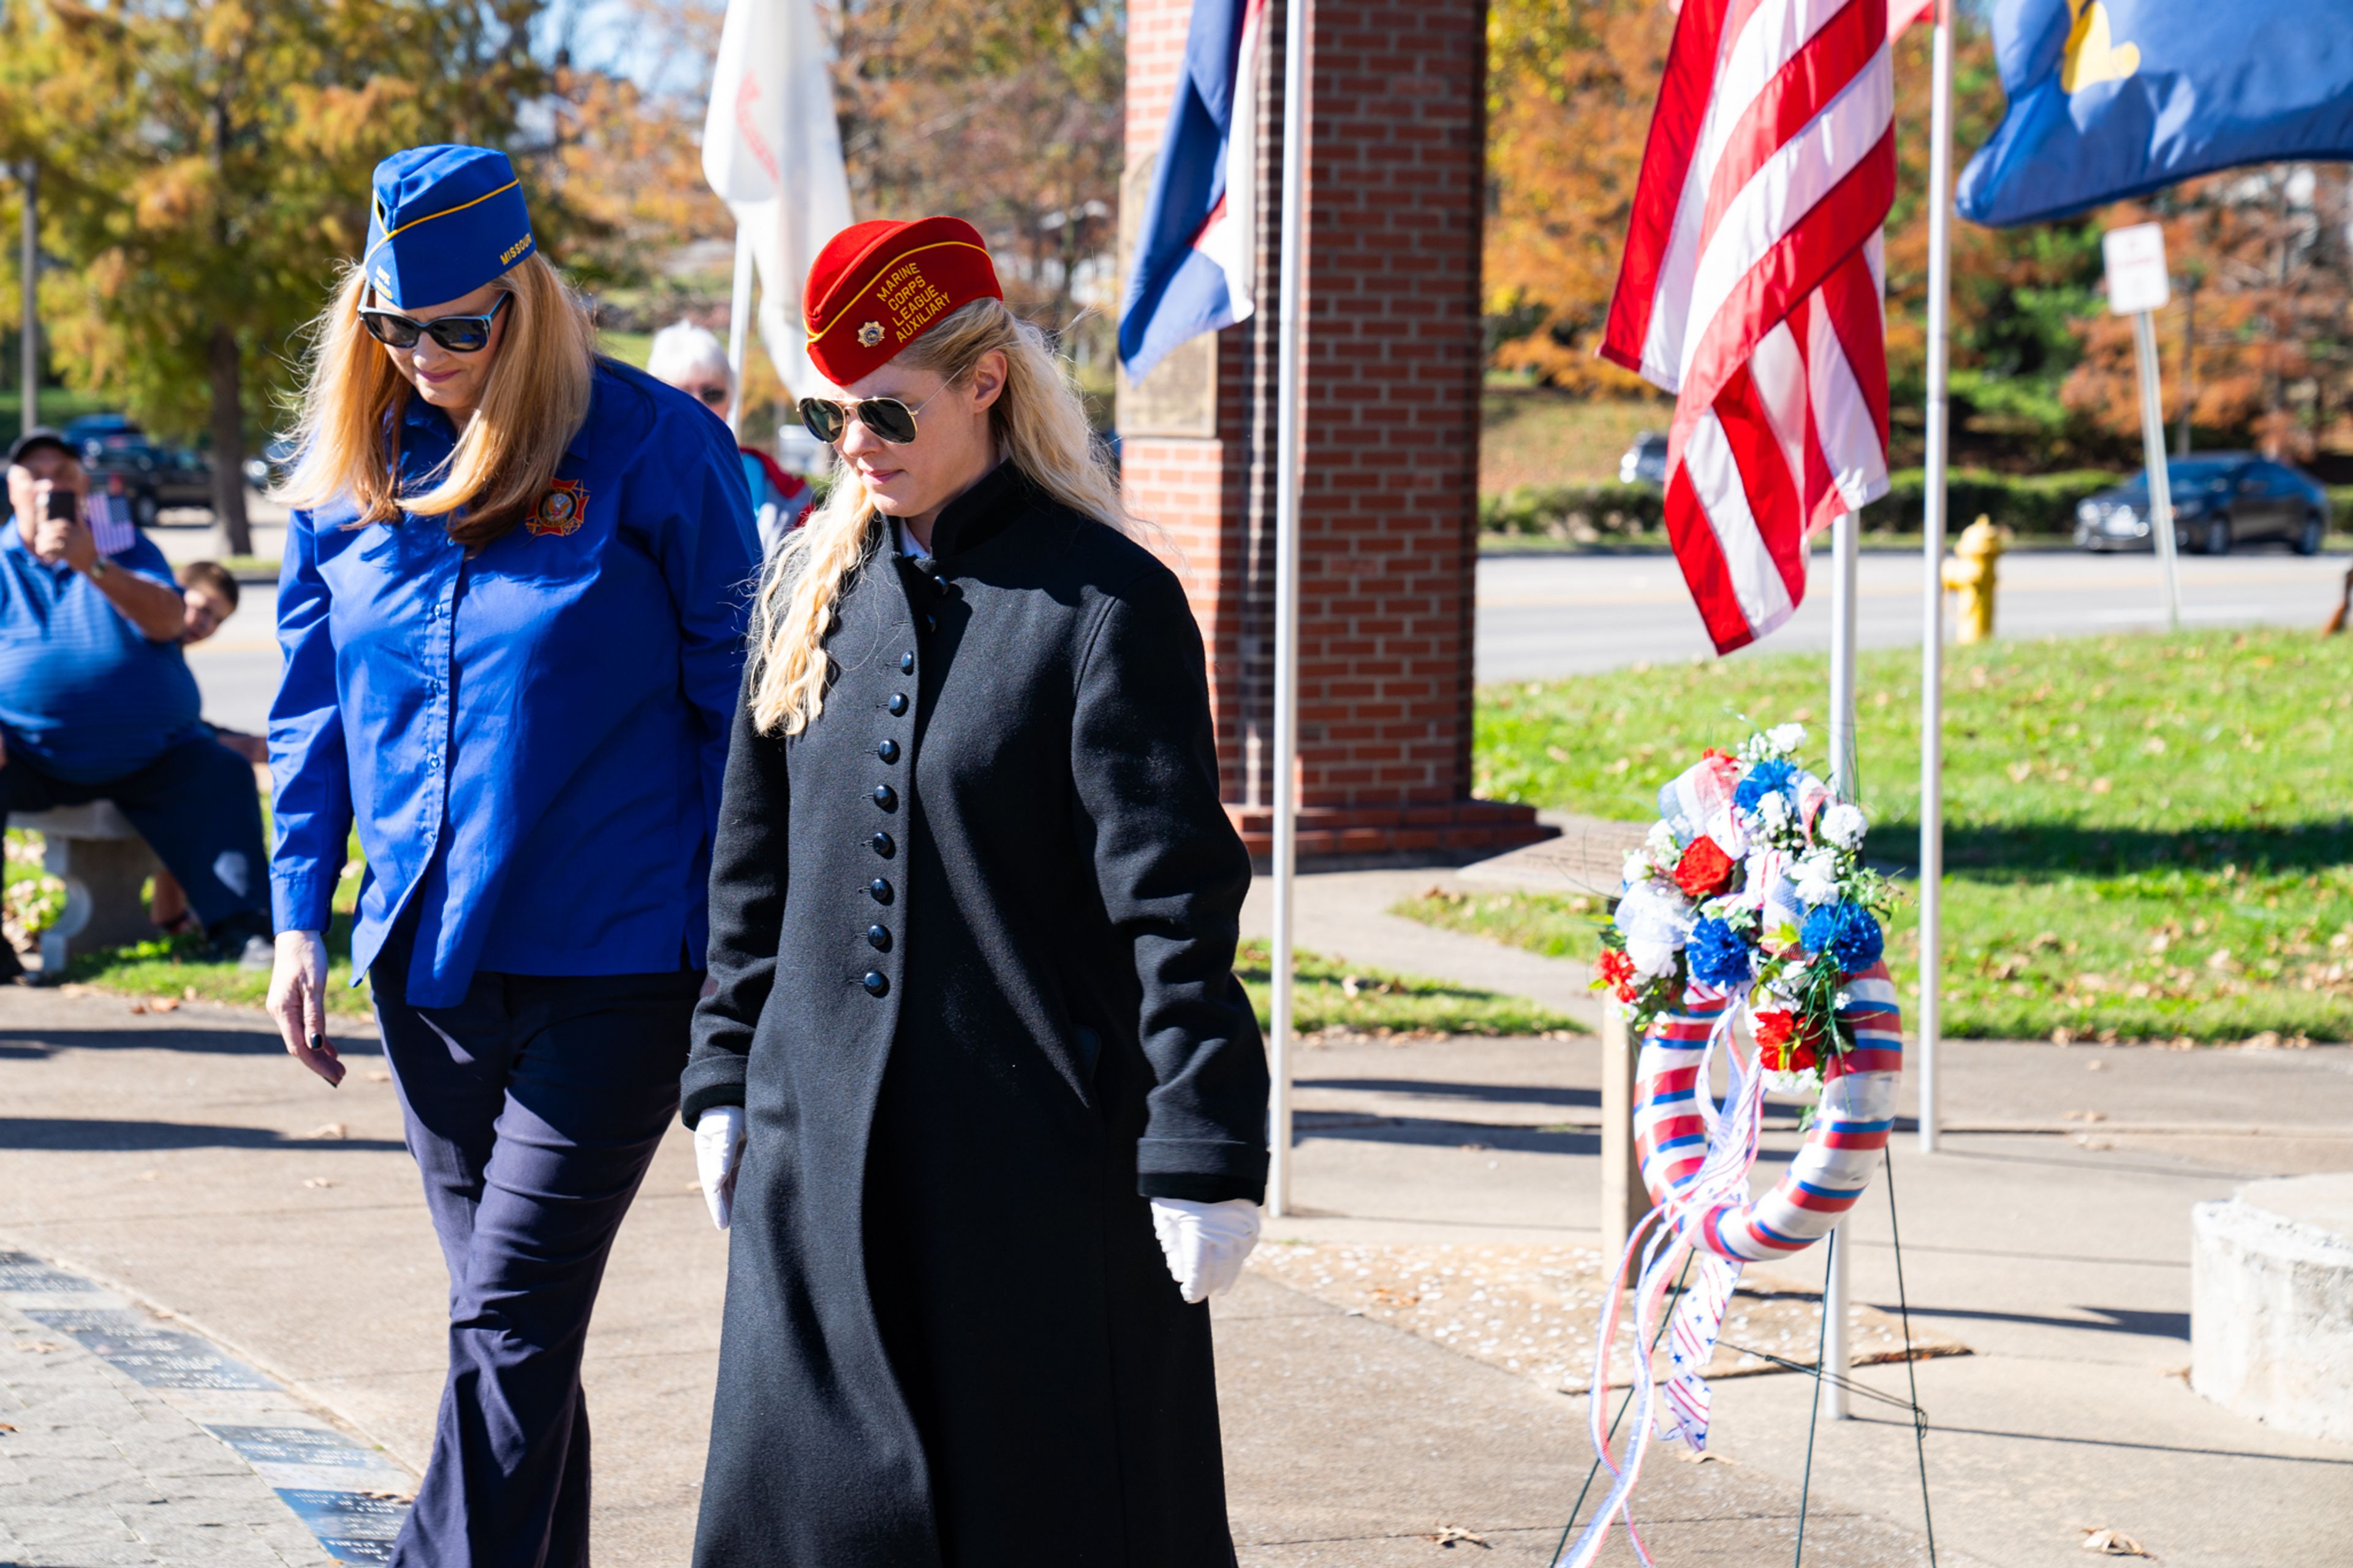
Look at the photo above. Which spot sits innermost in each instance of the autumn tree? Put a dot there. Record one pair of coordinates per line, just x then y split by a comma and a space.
204, 171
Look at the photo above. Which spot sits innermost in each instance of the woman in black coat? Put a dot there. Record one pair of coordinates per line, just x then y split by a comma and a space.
973, 907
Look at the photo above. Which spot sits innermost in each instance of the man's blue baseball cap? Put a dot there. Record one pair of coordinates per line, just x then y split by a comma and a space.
446, 220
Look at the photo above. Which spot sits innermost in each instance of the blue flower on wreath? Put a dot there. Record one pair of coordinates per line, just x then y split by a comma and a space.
1775, 775
1720, 955
1846, 931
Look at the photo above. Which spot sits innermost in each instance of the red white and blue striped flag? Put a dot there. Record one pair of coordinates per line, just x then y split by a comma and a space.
1197, 246
1751, 288
111, 527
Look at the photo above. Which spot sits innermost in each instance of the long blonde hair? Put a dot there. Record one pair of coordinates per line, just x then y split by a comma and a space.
533, 400
1040, 427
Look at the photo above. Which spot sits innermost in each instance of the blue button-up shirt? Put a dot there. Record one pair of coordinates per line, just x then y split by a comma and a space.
532, 739
84, 695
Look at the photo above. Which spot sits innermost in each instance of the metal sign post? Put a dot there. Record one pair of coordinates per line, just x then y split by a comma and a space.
1932, 592
1846, 781
2137, 286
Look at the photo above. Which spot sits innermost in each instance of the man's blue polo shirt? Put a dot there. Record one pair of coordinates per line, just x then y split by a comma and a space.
84, 696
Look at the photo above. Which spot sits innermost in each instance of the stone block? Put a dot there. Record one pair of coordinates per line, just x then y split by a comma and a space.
2271, 1317
105, 865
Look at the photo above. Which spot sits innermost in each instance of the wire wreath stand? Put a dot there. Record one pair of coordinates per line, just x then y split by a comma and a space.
1840, 1378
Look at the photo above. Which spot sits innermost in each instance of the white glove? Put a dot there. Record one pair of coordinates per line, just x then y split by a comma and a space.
1206, 1244
718, 1151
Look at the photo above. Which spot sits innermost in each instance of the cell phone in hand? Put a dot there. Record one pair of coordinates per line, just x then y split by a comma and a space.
64, 506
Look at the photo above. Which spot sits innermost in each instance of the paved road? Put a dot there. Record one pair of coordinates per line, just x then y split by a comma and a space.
1544, 615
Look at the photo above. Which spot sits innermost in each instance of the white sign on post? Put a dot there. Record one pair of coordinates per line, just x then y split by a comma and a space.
2137, 286
2136, 262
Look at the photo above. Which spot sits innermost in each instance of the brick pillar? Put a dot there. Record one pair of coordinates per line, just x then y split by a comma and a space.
1388, 511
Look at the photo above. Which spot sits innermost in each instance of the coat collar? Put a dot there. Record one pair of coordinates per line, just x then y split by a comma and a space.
982, 512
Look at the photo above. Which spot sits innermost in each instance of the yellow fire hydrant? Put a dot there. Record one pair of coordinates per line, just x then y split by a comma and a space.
1969, 570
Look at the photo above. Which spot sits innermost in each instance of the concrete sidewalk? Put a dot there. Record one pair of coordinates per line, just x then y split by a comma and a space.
182, 1160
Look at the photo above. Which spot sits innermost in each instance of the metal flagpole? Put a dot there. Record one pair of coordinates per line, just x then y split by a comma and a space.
1846, 781
2160, 483
1932, 587
739, 323
1298, 25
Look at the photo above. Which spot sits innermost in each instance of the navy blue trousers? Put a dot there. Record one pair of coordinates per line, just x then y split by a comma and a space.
196, 808
533, 1108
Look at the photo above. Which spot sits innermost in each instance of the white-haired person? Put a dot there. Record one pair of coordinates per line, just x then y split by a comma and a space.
688, 357
975, 1084
512, 607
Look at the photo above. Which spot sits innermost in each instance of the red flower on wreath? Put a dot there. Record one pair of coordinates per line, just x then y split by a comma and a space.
1704, 870
1785, 1043
1615, 971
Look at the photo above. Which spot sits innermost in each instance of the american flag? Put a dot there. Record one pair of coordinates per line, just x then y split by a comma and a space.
111, 527
1751, 288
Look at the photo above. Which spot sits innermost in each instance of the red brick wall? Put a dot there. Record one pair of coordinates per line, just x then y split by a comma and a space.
1389, 493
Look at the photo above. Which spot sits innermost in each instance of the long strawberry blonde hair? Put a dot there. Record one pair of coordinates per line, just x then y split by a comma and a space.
534, 400
1040, 426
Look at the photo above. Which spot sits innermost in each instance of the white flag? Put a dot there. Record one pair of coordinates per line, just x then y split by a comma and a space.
772, 150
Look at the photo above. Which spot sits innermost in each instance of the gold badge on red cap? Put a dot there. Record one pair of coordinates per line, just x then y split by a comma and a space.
869, 334
561, 510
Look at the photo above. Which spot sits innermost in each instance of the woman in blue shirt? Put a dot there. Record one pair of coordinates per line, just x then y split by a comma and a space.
512, 608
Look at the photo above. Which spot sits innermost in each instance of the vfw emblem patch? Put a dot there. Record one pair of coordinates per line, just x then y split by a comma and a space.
560, 510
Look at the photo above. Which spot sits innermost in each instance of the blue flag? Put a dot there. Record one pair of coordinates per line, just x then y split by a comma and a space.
2110, 98
1198, 247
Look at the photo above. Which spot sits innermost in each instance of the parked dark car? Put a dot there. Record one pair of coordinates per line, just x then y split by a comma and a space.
1645, 460
271, 464
2221, 500
155, 476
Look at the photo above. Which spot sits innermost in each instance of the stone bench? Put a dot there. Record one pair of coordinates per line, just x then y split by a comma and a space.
105, 865
2271, 1312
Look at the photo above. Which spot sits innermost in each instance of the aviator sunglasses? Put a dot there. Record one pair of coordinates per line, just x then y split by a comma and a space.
886, 416
459, 334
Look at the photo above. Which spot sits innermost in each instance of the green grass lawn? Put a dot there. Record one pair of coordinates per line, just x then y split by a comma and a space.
1332, 995
2146, 836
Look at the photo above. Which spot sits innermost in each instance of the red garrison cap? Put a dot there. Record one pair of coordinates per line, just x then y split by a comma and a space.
877, 286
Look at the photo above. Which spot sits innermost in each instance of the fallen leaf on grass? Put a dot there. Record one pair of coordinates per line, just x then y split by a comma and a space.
328, 1131
164, 1004
318, 1182
2112, 1544
139, 1007
1453, 1535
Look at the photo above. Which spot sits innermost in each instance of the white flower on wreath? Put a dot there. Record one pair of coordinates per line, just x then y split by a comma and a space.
1782, 740
1660, 843
1815, 877
1773, 818
1844, 825
1639, 868
1652, 960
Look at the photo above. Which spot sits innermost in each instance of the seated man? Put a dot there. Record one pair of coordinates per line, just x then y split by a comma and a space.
210, 595
95, 703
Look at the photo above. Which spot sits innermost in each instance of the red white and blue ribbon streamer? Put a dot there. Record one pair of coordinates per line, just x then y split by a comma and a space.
1696, 1153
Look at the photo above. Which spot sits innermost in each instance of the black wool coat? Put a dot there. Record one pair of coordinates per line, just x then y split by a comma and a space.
973, 936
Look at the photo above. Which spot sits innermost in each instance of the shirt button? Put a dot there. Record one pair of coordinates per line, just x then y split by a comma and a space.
878, 937
897, 704
888, 750
879, 891
907, 662
886, 797
877, 983
883, 846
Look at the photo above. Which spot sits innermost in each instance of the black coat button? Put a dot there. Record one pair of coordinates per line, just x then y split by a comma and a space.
897, 704
877, 983
883, 846
878, 937
907, 662
879, 891
886, 797
888, 750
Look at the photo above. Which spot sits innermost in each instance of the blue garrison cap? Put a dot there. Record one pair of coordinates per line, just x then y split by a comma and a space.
446, 220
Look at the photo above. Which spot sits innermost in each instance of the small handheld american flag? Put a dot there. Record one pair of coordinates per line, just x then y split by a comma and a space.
108, 517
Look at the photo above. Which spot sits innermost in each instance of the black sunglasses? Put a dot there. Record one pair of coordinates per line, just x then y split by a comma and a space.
459, 334
886, 416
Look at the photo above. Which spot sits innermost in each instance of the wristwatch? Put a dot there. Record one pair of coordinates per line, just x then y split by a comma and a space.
99, 567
